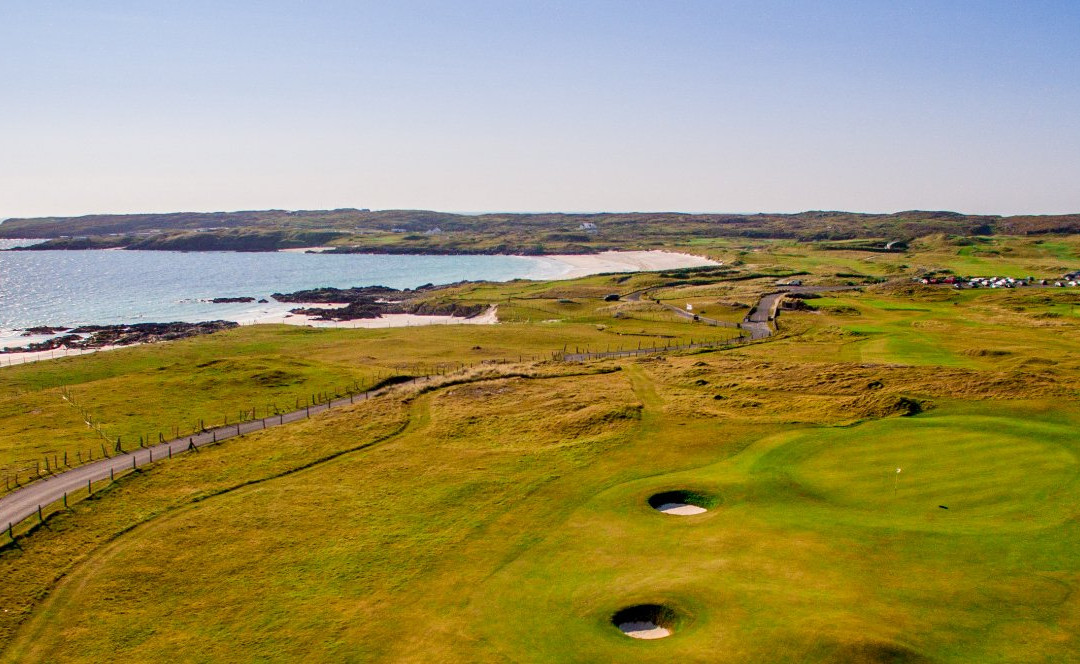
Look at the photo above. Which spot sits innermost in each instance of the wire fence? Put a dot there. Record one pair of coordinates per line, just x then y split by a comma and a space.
105, 440
61, 485
58, 482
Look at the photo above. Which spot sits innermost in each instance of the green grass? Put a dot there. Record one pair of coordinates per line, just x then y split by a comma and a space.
505, 518
529, 526
139, 393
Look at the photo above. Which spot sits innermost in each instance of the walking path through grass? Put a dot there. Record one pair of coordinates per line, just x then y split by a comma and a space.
27, 501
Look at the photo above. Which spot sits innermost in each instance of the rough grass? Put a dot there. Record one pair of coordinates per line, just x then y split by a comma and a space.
139, 393
503, 514
496, 505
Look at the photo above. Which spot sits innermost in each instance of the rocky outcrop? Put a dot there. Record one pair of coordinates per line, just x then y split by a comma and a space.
44, 329
359, 308
375, 301
329, 295
96, 336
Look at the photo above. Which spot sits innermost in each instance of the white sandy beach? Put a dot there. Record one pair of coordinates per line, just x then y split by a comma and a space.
572, 266
566, 266
582, 265
305, 250
489, 317
11, 359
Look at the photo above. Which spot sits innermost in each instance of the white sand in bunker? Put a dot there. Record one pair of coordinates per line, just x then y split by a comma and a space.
681, 509
644, 630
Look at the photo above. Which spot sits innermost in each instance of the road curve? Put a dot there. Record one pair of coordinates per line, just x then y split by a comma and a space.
24, 502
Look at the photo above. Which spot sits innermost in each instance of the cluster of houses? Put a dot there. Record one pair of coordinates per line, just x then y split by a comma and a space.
1072, 279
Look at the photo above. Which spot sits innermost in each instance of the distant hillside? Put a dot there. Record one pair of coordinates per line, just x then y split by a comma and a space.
423, 231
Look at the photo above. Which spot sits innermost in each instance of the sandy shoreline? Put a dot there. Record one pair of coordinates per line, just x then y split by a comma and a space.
564, 266
12, 359
572, 266
583, 265
489, 317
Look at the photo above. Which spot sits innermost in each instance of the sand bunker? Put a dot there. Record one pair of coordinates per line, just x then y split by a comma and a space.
644, 630
680, 509
645, 621
681, 503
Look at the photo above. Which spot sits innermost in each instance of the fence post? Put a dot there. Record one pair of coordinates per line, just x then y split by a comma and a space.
89, 488
40, 518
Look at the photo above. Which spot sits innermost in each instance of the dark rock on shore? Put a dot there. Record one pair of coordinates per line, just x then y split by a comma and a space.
375, 301
230, 300
372, 308
96, 336
44, 329
359, 308
445, 309
329, 295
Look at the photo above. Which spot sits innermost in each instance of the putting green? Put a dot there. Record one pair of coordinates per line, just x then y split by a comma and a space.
814, 556
956, 471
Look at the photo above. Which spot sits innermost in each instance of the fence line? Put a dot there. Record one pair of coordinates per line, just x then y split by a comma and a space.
16, 507
111, 443
70, 482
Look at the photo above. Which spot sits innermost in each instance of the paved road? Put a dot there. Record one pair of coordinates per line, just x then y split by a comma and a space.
24, 502
757, 323
698, 318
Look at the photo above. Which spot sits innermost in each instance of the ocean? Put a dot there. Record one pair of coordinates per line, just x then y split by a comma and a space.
69, 288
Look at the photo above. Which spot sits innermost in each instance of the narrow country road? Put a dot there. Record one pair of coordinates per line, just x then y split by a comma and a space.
757, 321
25, 502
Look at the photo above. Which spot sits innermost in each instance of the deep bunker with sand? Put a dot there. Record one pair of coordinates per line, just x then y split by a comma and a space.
646, 621
682, 502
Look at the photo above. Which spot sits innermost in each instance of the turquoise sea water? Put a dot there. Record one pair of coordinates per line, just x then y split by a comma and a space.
70, 288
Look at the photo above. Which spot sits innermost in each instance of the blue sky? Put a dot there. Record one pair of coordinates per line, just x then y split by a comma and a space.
109, 106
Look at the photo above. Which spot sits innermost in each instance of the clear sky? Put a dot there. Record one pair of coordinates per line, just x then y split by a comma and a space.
735, 106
